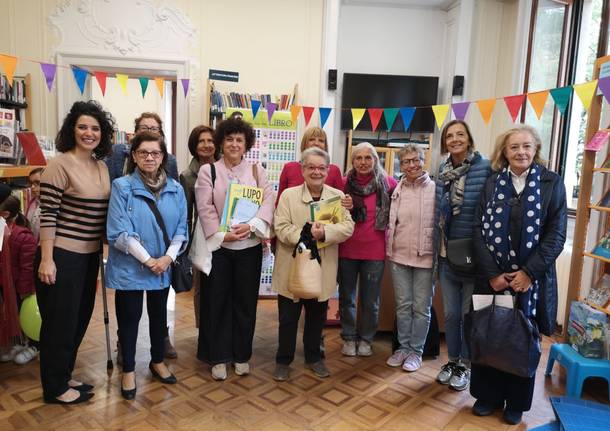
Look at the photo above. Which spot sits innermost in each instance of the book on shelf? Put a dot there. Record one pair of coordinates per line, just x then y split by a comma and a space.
15, 93
599, 294
219, 101
7, 133
327, 211
602, 249
241, 205
605, 200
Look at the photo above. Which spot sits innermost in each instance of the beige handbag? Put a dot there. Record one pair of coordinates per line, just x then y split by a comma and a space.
305, 279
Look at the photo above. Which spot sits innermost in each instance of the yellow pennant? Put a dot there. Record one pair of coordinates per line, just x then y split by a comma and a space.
294, 112
123, 82
440, 113
160, 82
538, 100
9, 63
586, 92
486, 107
357, 114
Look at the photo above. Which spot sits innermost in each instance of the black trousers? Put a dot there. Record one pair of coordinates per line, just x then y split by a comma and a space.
494, 386
229, 296
289, 314
128, 306
65, 308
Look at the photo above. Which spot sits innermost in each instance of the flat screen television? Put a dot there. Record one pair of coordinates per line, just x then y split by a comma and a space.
361, 90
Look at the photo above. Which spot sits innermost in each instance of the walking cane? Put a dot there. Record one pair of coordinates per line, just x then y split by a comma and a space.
109, 364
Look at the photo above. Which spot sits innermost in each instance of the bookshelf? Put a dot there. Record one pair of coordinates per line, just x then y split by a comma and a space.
16, 97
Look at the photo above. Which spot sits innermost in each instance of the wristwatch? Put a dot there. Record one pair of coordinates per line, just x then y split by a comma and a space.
252, 228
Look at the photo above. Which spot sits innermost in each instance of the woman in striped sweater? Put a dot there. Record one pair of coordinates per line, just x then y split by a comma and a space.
74, 192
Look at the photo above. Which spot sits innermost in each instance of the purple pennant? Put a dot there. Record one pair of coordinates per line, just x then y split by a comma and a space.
271, 107
48, 71
460, 110
324, 113
185, 85
604, 86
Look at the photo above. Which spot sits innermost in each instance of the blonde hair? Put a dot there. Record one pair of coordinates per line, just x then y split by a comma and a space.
313, 132
498, 160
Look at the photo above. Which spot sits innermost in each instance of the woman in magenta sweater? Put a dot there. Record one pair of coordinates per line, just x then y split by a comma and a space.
363, 255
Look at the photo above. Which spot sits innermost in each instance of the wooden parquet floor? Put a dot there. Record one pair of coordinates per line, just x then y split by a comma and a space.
361, 394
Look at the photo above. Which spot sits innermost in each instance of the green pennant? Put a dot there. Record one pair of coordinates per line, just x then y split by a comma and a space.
390, 116
143, 85
561, 97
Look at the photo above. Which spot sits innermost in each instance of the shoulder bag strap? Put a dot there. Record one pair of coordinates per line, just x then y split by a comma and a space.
213, 174
160, 222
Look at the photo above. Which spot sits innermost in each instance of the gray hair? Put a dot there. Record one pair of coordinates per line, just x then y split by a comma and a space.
315, 151
410, 149
378, 171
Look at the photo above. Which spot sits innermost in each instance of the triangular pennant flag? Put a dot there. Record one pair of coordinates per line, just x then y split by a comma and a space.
460, 110
324, 114
389, 114
604, 86
256, 104
538, 100
49, 70
294, 112
160, 84
486, 107
440, 113
375, 116
80, 75
514, 104
101, 81
561, 96
357, 114
185, 85
143, 85
9, 63
271, 107
122, 78
407, 116
307, 111
585, 92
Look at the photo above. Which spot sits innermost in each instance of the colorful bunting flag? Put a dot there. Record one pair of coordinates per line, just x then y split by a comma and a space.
514, 104
538, 100
9, 63
256, 104
185, 85
294, 112
440, 113
101, 81
49, 70
486, 107
160, 84
585, 92
460, 110
307, 111
357, 114
143, 85
375, 116
80, 75
324, 114
604, 86
561, 96
122, 78
271, 107
390, 117
407, 116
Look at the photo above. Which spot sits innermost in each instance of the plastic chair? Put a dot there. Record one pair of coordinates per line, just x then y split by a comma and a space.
578, 367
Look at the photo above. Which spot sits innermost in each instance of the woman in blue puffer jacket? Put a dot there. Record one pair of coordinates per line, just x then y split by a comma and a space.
139, 259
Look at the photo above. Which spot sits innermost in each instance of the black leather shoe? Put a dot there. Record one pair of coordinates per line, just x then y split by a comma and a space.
167, 380
481, 408
84, 396
128, 394
512, 417
83, 387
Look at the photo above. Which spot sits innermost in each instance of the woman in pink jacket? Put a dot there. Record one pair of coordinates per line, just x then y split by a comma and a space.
409, 250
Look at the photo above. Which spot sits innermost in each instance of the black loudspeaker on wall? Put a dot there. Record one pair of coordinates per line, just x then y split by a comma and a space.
332, 79
458, 85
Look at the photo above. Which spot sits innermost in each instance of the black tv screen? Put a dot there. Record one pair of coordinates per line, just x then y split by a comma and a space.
362, 90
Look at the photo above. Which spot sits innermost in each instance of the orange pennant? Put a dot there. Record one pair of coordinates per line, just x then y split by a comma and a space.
486, 107
538, 100
9, 63
160, 82
294, 112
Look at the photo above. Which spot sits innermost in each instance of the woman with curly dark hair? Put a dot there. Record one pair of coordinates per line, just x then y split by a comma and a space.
74, 193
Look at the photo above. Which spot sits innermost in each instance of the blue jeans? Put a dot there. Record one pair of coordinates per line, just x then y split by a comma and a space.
457, 295
413, 291
367, 273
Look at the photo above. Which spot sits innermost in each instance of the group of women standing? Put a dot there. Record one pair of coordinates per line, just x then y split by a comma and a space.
515, 218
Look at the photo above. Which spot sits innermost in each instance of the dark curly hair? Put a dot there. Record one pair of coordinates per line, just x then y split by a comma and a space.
137, 140
231, 126
65, 140
194, 140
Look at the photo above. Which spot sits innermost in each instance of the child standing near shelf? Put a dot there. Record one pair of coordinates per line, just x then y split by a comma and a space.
17, 278
32, 212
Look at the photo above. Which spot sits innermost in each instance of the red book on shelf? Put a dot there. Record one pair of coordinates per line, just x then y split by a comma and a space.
32, 150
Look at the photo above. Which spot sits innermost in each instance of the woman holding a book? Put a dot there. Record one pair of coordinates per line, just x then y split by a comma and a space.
520, 230
292, 214
235, 208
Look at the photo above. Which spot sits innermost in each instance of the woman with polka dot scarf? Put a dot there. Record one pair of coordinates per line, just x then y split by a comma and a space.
520, 230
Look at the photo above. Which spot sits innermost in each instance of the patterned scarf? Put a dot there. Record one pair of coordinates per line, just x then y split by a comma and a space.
156, 184
359, 191
496, 231
455, 181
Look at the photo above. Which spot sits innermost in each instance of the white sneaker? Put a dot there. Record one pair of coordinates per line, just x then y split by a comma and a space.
242, 368
26, 355
219, 372
10, 355
364, 348
349, 348
397, 359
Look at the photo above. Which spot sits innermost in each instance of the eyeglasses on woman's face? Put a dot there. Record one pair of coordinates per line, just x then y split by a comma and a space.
142, 154
144, 128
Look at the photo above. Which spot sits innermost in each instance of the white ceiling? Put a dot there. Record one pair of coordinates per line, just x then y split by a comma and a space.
426, 4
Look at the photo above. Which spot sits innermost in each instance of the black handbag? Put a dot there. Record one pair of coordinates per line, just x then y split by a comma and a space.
182, 271
460, 255
503, 338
